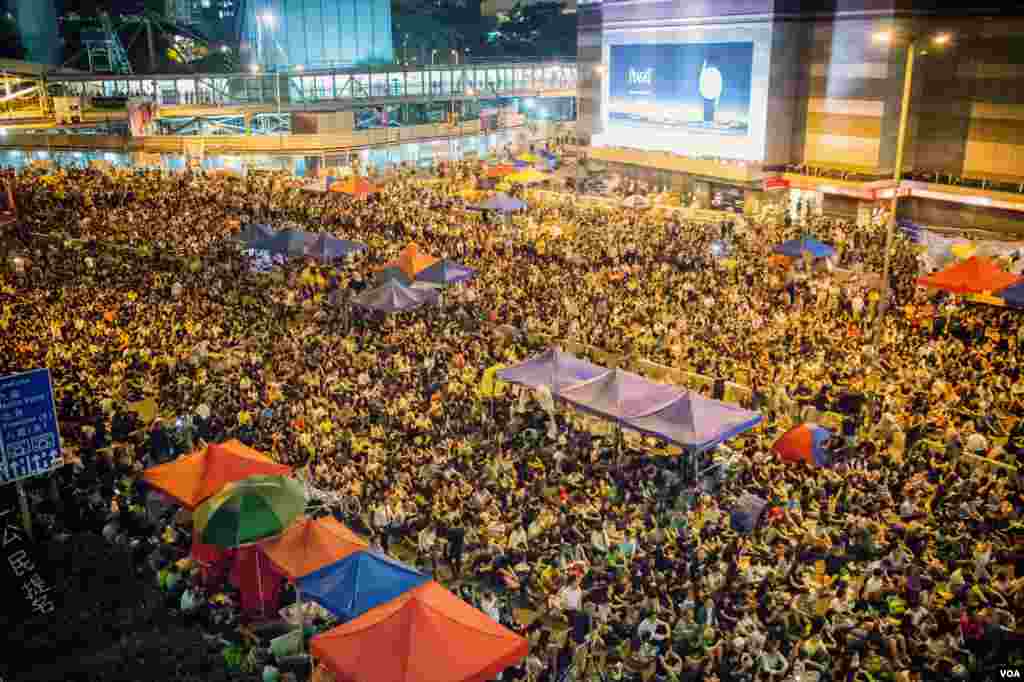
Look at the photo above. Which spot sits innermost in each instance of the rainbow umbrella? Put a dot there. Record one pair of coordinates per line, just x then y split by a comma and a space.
251, 509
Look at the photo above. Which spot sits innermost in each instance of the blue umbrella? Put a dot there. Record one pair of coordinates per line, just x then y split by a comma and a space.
445, 271
359, 582
1013, 295
284, 243
795, 248
328, 247
503, 203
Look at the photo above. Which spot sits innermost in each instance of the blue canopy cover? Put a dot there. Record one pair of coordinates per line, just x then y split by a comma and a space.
359, 582
795, 248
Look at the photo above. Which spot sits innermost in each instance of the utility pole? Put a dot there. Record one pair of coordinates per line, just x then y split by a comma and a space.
151, 45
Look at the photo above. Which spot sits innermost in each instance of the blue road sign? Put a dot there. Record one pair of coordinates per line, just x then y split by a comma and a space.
29, 437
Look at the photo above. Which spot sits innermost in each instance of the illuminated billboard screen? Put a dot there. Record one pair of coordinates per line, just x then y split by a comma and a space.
695, 88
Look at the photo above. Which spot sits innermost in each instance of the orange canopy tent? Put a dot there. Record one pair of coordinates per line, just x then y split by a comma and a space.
193, 478
426, 635
973, 276
411, 261
310, 544
501, 170
355, 185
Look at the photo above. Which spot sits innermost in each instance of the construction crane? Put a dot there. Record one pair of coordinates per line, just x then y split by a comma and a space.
104, 51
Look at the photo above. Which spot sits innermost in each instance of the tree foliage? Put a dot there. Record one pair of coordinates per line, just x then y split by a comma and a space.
537, 30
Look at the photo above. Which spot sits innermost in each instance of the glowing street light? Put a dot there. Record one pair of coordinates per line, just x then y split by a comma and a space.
255, 68
599, 69
300, 67
267, 19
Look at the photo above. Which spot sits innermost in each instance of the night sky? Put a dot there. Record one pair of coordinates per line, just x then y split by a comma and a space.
92, 6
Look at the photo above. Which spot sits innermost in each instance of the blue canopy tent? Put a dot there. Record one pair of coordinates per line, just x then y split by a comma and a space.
502, 203
328, 247
445, 271
359, 582
1013, 295
253, 232
553, 369
394, 297
795, 248
290, 243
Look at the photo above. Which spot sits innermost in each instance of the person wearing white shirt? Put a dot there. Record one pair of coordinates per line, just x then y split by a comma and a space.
489, 605
427, 540
572, 597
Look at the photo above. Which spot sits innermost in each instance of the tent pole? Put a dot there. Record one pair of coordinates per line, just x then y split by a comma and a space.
302, 618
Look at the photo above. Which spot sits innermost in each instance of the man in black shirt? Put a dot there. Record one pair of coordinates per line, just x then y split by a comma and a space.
456, 545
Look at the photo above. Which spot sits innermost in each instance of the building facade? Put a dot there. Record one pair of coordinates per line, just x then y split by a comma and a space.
37, 26
781, 82
316, 33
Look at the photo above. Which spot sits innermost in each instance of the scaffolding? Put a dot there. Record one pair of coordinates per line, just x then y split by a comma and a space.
104, 50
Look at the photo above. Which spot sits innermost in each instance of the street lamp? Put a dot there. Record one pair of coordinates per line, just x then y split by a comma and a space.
455, 53
265, 18
887, 37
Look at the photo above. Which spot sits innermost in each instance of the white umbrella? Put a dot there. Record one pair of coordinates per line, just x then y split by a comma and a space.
636, 201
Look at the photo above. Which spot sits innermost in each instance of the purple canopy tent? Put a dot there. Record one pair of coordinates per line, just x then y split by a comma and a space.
445, 271
552, 368
695, 422
326, 247
393, 297
619, 395
502, 203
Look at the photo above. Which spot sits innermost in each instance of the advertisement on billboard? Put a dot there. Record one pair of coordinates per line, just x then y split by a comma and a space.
697, 88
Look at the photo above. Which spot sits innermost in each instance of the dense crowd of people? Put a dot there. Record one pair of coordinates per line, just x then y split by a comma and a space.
900, 560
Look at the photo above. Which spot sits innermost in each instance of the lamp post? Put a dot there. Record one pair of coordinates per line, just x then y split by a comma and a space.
886, 37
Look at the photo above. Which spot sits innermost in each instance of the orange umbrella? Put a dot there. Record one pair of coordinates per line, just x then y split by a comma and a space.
354, 185
193, 478
411, 261
779, 260
310, 544
399, 641
501, 170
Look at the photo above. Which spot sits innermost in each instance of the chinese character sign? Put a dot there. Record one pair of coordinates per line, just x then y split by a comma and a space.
26, 581
29, 437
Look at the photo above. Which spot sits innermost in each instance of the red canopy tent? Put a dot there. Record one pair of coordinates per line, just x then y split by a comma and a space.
972, 276
258, 580
354, 185
426, 635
